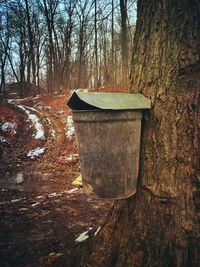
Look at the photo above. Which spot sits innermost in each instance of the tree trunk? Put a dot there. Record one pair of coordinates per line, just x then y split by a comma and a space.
31, 45
124, 41
49, 20
160, 225
3, 81
96, 46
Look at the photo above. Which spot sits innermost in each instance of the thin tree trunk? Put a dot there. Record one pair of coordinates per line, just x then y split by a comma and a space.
96, 45
124, 41
3, 85
22, 66
31, 42
112, 50
159, 226
51, 48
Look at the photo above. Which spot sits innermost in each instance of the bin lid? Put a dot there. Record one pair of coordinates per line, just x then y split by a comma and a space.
107, 101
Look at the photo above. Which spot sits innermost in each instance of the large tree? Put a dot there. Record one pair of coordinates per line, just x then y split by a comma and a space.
160, 225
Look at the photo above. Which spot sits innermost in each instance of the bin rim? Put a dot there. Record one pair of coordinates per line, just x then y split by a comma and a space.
106, 110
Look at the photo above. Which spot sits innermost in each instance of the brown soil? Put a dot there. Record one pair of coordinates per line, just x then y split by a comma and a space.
39, 217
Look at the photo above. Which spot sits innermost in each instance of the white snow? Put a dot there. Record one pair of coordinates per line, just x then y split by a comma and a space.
4, 190
72, 157
35, 152
35, 204
12, 201
98, 229
8, 127
53, 133
39, 197
69, 158
70, 131
55, 194
19, 178
58, 194
71, 191
16, 200
35, 121
82, 237
3, 140
23, 209
30, 108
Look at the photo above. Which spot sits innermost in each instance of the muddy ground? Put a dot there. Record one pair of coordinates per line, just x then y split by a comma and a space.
41, 212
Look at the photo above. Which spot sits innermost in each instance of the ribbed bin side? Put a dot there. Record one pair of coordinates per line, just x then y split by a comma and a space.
109, 145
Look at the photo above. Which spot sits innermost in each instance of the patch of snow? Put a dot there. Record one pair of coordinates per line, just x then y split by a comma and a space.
82, 237
47, 108
38, 126
70, 127
10, 101
12, 201
4, 190
16, 200
3, 140
30, 108
23, 209
53, 133
35, 204
35, 121
19, 178
35, 152
39, 197
58, 194
69, 158
71, 190
72, 157
8, 127
98, 229
55, 194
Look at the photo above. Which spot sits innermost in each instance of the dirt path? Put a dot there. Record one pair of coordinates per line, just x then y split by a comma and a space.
41, 213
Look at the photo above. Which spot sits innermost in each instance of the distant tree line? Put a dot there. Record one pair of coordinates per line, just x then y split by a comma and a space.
65, 44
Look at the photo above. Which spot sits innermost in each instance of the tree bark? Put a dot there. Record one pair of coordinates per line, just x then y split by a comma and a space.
160, 225
49, 20
96, 46
31, 44
124, 41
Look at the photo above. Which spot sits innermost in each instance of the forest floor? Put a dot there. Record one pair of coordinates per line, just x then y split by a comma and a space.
43, 216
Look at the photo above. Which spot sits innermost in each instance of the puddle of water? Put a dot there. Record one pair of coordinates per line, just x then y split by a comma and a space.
33, 181
12, 180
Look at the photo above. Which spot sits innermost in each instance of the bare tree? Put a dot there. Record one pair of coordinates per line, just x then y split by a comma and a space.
4, 50
31, 43
83, 10
124, 40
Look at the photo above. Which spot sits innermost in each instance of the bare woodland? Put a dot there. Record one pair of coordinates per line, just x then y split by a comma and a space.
65, 44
